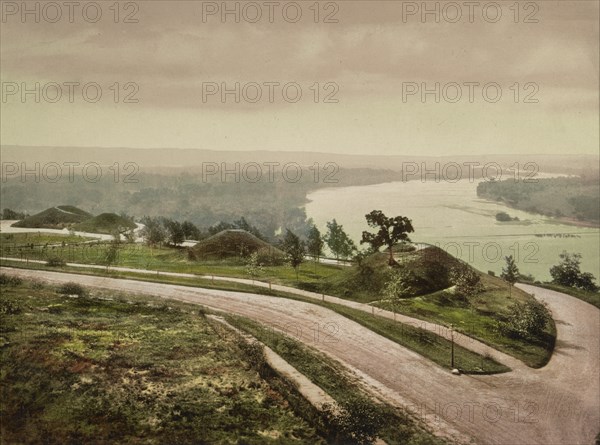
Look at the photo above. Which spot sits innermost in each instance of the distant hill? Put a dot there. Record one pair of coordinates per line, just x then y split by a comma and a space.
57, 217
575, 199
234, 243
105, 223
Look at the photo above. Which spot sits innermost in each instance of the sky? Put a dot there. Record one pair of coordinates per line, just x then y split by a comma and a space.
511, 80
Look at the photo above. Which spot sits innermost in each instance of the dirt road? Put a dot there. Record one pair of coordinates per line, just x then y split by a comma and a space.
558, 404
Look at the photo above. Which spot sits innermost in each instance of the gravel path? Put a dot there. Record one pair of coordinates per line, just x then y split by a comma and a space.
556, 405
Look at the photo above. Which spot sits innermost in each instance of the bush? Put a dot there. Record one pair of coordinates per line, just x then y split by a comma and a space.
9, 307
358, 422
72, 288
466, 280
36, 284
56, 262
10, 280
526, 321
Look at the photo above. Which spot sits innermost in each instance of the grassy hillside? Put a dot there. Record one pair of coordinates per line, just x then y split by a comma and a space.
107, 368
54, 218
105, 223
234, 243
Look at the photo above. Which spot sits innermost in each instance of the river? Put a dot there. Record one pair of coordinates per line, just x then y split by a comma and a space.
453, 217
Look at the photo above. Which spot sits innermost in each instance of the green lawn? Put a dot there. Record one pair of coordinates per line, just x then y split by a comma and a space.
114, 368
12, 240
477, 317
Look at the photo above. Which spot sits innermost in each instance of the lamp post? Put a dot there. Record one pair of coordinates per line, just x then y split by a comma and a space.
452, 345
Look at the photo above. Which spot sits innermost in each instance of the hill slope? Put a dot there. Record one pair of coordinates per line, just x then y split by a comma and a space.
57, 217
105, 223
234, 243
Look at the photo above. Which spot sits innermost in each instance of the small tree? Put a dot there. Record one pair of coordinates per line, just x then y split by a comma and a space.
510, 273
190, 230
153, 232
112, 252
397, 287
294, 250
175, 232
315, 243
466, 280
254, 267
391, 231
338, 240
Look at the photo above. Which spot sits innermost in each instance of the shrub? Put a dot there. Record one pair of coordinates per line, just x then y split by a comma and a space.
36, 284
466, 280
526, 320
72, 288
10, 280
9, 307
357, 422
55, 262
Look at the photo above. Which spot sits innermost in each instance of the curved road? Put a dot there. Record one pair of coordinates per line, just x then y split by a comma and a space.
556, 405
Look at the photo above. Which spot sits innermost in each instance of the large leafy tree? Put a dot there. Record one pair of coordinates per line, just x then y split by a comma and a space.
338, 240
391, 231
568, 273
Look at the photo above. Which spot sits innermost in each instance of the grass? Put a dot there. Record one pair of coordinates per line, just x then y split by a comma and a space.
422, 342
106, 223
125, 369
478, 316
16, 240
169, 259
592, 298
398, 427
425, 343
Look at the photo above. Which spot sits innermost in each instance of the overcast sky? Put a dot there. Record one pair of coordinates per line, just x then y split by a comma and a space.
365, 62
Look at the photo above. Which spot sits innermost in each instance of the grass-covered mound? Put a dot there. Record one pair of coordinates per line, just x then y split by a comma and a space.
428, 271
108, 223
57, 217
235, 243
96, 367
